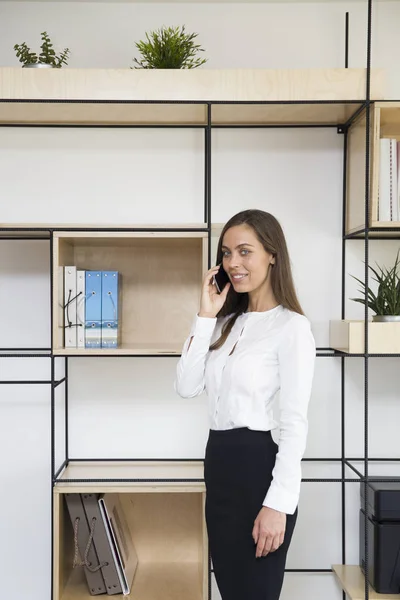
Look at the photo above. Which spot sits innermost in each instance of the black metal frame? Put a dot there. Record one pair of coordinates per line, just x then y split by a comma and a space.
362, 234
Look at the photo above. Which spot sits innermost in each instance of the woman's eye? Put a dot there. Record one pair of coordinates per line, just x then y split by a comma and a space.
242, 250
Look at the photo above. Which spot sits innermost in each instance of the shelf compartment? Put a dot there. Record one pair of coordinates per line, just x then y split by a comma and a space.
352, 580
384, 122
118, 96
348, 336
161, 273
169, 534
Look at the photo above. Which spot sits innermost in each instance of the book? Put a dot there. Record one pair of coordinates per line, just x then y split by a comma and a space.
120, 539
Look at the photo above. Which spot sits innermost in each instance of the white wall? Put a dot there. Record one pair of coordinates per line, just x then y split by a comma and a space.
71, 175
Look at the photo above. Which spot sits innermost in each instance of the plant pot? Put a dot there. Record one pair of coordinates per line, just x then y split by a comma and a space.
38, 66
386, 318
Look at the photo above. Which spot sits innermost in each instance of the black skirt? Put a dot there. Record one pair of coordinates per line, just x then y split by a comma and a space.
238, 472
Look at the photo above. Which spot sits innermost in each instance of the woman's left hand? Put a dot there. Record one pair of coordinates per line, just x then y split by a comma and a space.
269, 530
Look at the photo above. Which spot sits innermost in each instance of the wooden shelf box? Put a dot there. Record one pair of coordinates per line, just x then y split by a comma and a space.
348, 336
161, 275
384, 123
166, 521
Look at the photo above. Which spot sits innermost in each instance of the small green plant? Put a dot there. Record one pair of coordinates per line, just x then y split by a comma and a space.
387, 299
169, 48
46, 56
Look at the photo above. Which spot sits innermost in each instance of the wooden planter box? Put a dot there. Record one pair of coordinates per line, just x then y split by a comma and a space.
348, 336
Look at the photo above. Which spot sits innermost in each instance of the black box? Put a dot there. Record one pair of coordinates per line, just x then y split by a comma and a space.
383, 499
383, 554
383, 527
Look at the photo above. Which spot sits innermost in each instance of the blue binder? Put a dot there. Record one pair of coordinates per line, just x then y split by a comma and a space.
93, 309
110, 313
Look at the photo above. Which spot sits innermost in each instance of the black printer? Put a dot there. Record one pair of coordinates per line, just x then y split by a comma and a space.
383, 534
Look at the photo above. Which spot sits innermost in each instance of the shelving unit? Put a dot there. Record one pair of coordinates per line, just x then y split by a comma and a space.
164, 499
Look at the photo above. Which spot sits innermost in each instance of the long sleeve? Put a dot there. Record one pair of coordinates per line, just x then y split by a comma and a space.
189, 380
296, 354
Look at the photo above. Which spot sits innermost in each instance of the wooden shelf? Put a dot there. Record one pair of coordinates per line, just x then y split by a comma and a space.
384, 122
93, 471
352, 581
161, 275
150, 349
34, 230
180, 96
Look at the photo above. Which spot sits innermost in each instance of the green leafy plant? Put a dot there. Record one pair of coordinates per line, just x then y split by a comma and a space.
387, 299
46, 56
169, 48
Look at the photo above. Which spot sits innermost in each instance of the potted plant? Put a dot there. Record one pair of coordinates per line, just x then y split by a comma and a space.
386, 302
47, 57
169, 48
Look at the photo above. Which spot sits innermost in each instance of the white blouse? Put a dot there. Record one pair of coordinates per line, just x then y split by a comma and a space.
265, 353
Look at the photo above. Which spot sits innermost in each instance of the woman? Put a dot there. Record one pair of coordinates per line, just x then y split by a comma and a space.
248, 345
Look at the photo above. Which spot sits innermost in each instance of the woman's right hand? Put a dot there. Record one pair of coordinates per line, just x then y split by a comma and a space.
212, 302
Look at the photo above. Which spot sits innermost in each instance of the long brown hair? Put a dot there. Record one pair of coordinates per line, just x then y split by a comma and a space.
270, 234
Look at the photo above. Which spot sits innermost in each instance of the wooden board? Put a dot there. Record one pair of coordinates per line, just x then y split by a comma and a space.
179, 96
352, 581
152, 582
123, 470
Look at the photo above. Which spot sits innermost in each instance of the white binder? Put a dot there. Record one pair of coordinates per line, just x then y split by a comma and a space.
70, 306
80, 308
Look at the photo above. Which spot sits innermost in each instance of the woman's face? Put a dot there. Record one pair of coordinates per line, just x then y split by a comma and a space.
243, 254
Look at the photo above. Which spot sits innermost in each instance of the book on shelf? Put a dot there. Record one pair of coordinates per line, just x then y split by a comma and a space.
120, 539
85, 555
389, 180
103, 544
91, 307
70, 306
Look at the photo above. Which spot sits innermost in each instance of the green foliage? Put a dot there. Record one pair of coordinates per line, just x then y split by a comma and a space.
46, 56
169, 48
387, 299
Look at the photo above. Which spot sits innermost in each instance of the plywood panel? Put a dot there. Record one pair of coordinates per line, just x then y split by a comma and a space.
304, 114
189, 84
99, 470
352, 581
152, 582
102, 96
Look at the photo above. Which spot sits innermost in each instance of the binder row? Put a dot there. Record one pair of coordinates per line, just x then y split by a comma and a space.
91, 302
103, 541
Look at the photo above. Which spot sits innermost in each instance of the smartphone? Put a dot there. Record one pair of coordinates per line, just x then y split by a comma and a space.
221, 279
